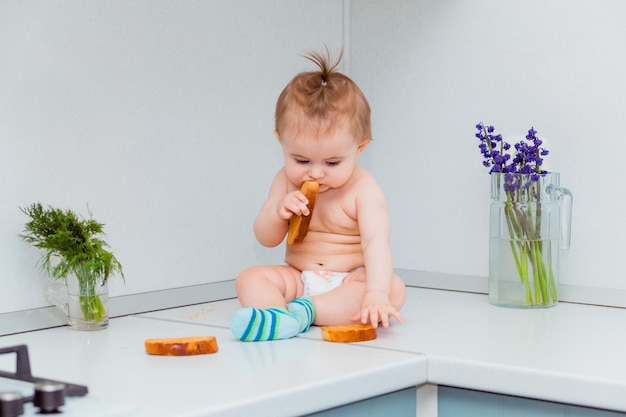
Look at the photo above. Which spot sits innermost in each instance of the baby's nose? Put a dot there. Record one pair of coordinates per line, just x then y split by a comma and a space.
316, 173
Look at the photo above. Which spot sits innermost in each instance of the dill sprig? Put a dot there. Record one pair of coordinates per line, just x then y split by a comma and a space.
70, 244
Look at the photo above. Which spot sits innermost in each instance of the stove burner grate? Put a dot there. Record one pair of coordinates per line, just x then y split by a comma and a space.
48, 394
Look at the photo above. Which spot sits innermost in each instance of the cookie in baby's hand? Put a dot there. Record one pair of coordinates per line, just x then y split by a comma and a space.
299, 225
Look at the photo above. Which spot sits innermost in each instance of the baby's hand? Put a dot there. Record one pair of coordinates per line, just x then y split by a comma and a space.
376, 308
293, 203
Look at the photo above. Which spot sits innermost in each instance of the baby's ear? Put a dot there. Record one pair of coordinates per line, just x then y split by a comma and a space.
364, 144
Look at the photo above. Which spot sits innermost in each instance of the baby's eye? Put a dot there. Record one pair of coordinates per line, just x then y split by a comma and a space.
332, 163
301, 161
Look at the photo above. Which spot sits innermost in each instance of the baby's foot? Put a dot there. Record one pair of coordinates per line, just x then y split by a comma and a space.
254, 324
304, 310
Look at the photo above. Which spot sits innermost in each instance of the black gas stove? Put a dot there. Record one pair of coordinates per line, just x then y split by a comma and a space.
20, 389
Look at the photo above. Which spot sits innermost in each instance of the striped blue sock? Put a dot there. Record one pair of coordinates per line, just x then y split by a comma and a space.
304, 310
254, 324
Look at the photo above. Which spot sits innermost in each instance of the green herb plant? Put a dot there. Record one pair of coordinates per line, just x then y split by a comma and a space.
71, 246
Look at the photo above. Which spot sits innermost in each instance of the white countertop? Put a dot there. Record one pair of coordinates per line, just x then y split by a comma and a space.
281, 378
570, 353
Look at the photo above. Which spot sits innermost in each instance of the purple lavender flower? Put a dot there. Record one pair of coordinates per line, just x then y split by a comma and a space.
527, 158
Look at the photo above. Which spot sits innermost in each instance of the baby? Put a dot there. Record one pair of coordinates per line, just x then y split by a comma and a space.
342, 272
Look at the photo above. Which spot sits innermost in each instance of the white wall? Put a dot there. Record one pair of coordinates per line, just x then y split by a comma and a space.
159, 115
433, 69
156, 113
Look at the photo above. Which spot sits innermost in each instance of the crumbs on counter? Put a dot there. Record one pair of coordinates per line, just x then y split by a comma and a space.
198, 314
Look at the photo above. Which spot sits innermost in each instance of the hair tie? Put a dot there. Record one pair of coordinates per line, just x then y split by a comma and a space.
324, 82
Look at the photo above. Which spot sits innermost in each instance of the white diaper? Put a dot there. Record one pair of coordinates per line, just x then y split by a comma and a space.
321, 282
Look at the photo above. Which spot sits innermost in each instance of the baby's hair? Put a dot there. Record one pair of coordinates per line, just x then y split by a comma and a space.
321, 99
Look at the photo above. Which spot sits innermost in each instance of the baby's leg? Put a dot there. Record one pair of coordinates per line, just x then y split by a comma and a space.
338, 306
263, 292
268, 286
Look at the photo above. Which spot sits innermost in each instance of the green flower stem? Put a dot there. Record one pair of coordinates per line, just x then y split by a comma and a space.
539, 276
92, 307
554, 292
528, 252
90, 302
518, 248
524, 273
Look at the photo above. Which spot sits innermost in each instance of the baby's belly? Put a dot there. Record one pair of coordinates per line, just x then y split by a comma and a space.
323, 252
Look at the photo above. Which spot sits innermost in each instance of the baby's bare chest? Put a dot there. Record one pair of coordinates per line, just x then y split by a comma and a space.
335, 217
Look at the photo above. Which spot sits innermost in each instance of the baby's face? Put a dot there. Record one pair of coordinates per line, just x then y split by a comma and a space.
328, 158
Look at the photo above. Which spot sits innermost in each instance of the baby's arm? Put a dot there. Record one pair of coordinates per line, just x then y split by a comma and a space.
374, 228
270, 225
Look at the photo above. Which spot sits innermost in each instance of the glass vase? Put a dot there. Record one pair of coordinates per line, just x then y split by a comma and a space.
530, 223
84, 301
